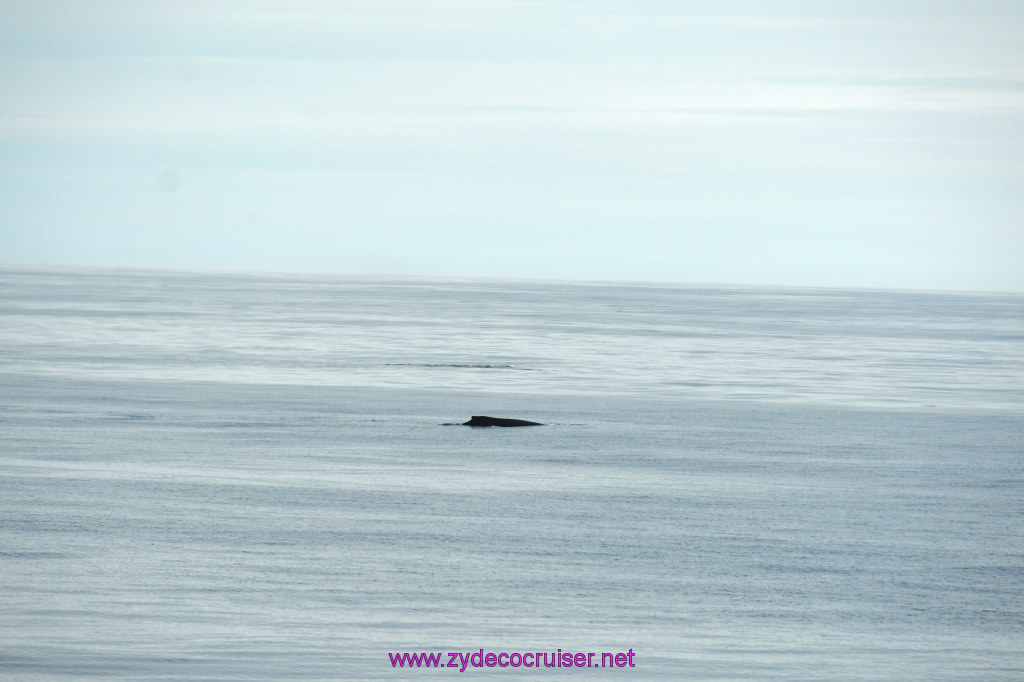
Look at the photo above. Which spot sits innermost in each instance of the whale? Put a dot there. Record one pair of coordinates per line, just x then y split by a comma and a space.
478, 420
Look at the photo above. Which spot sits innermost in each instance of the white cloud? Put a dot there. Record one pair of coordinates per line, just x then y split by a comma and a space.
749, 128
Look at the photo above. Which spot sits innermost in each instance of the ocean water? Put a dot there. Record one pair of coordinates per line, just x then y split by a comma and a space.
224, 477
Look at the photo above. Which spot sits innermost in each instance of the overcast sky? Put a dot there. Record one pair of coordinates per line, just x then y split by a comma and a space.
870, 143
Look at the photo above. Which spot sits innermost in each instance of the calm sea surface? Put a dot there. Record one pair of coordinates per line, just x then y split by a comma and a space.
228, 477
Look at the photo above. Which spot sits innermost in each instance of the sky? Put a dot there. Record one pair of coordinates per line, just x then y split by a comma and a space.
798, 143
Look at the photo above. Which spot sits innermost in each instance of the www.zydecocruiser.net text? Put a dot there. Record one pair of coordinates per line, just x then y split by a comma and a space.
462, 660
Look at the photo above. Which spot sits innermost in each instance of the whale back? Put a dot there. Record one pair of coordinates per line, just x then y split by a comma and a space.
480, 420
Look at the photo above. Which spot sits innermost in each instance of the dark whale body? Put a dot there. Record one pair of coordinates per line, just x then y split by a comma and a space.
498, 421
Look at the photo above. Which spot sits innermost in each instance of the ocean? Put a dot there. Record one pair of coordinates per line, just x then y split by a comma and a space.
254, 476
